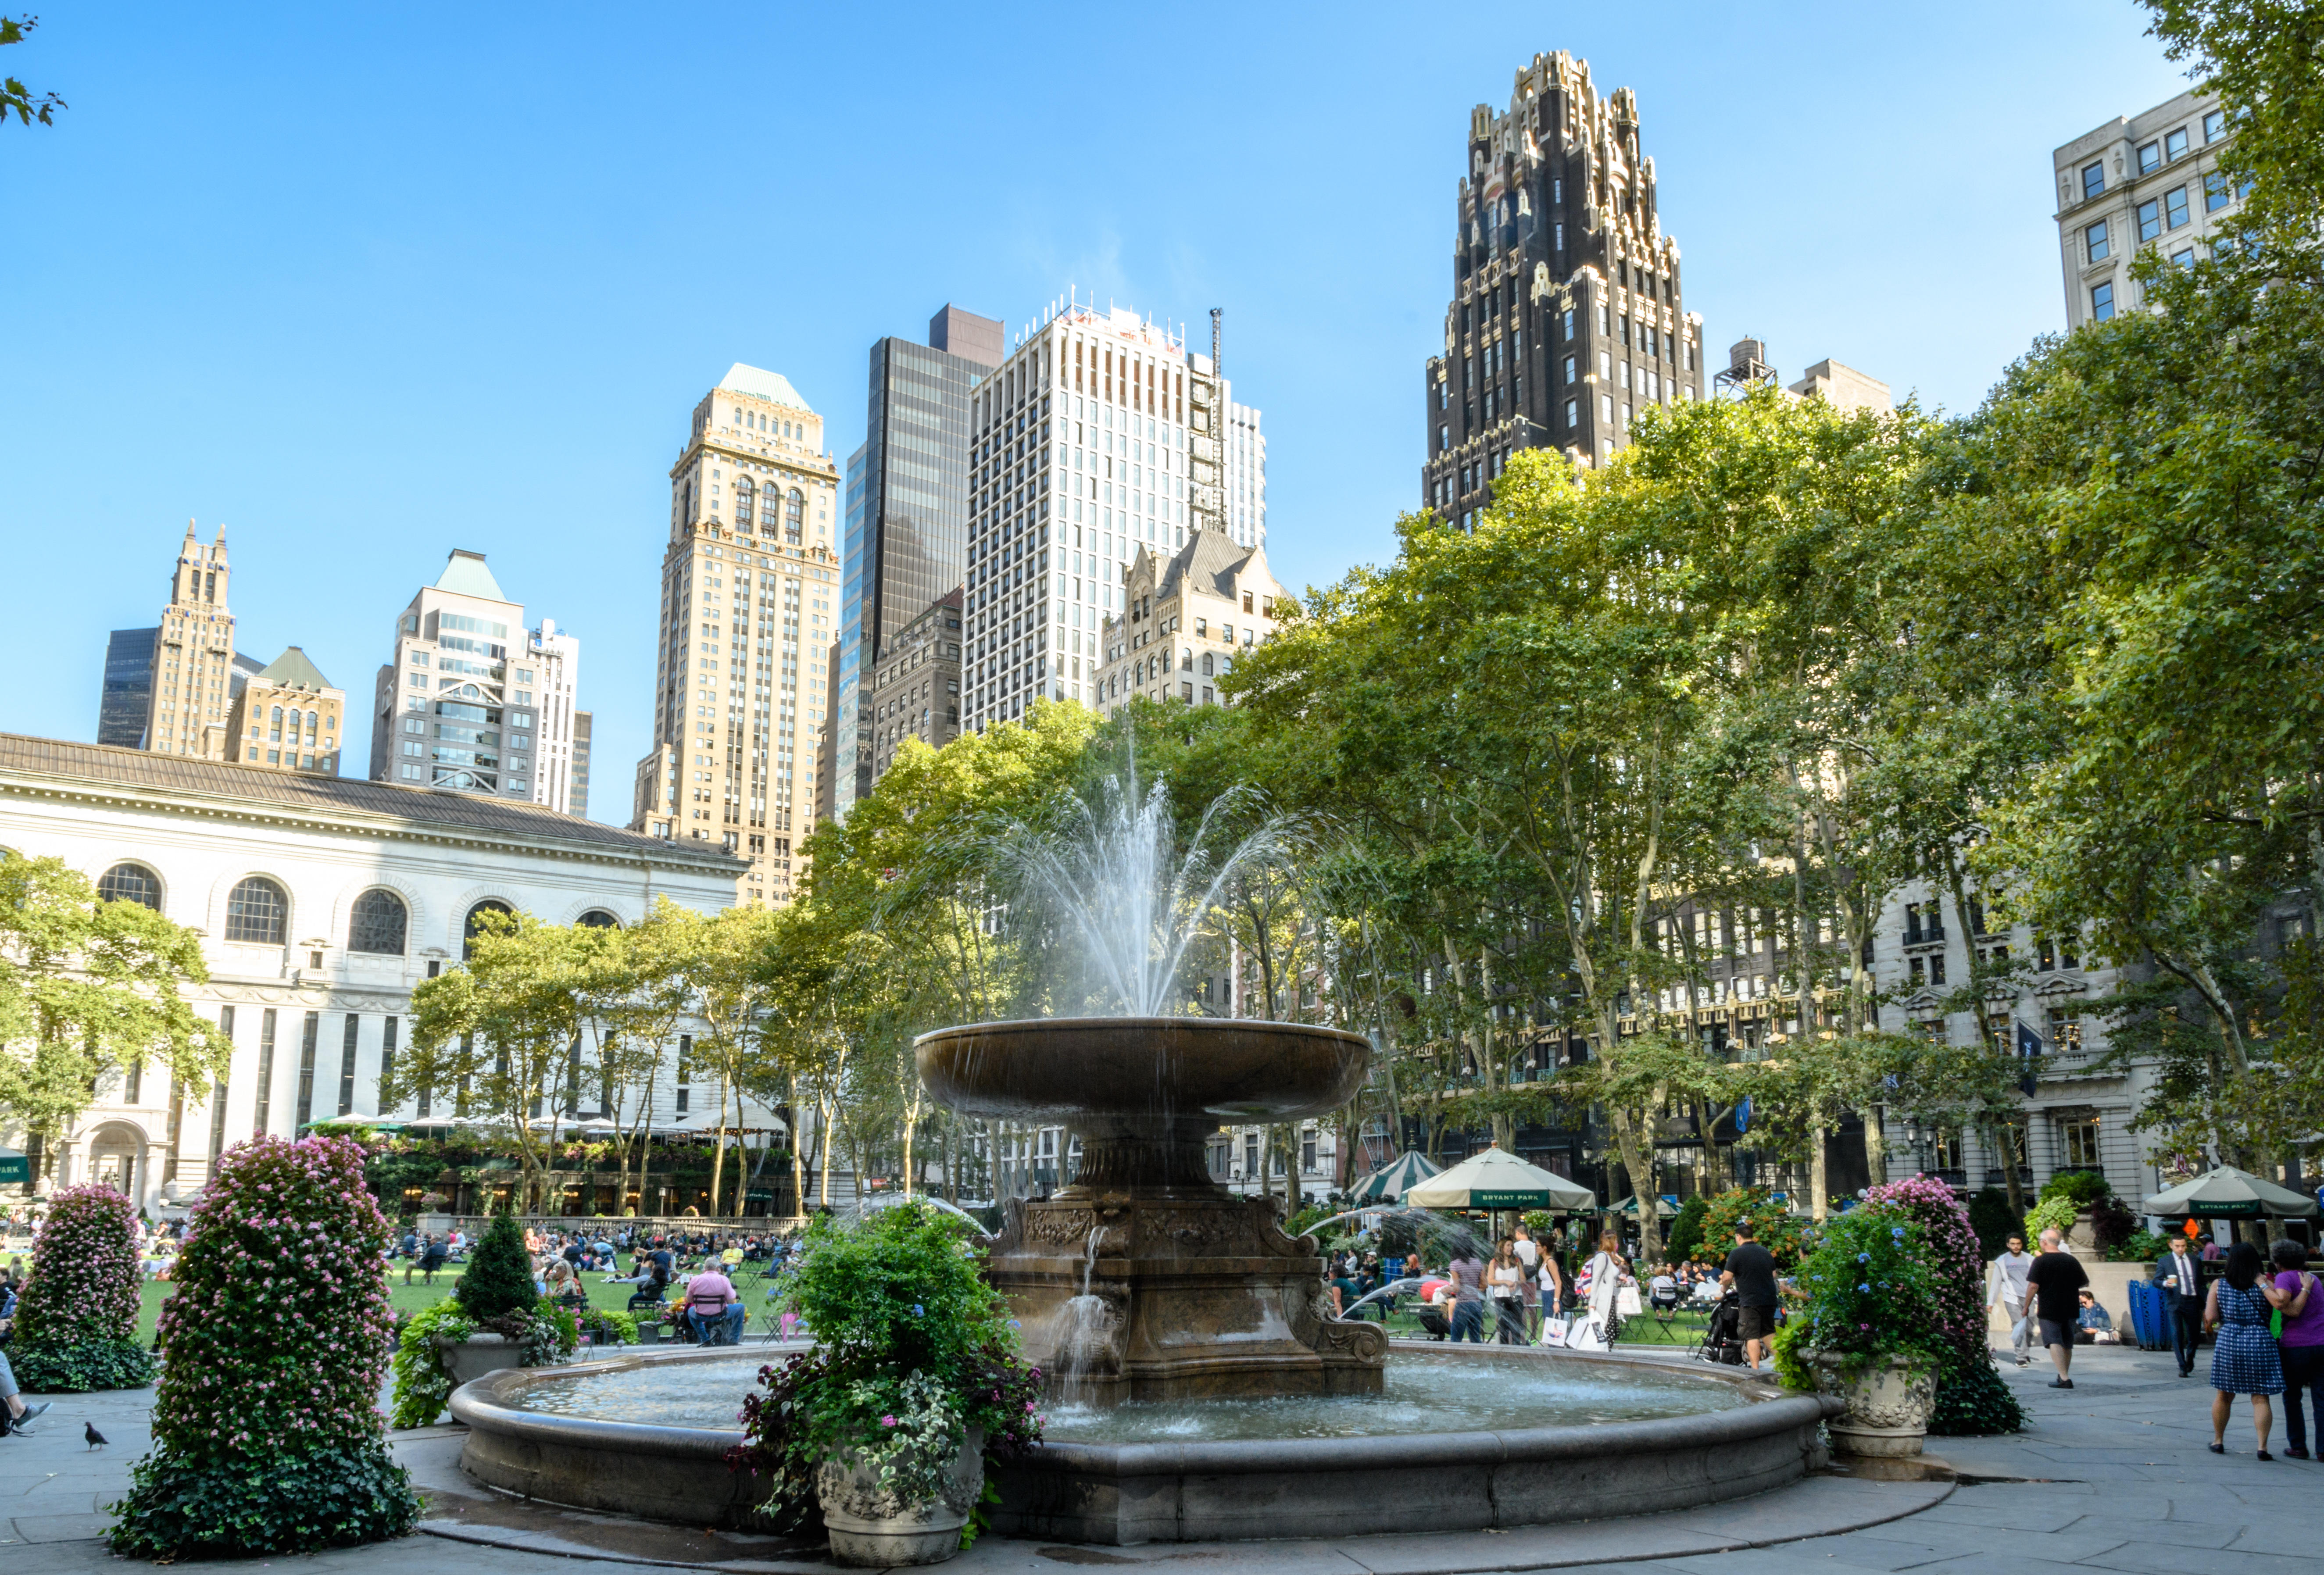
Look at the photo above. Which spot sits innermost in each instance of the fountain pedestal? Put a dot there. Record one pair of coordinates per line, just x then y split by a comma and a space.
1145, 1279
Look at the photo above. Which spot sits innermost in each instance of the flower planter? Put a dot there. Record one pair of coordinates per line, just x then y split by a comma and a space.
871, 1527
1888, 1400
471, 1358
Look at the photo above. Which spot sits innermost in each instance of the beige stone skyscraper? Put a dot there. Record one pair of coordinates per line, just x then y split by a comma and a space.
287, 718
750, 590
193, 683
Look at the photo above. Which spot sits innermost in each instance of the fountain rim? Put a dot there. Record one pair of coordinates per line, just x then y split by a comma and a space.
478, 1404
1201, 1024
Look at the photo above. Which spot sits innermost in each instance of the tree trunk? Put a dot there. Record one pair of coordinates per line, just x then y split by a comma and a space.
1819, 1182
798, 1149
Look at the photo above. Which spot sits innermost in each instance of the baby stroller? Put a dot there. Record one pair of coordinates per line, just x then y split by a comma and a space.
1719, 1343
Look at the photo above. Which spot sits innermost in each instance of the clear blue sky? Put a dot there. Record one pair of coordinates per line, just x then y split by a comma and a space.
366, 283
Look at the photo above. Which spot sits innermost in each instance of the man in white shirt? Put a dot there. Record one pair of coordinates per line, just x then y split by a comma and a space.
2009, 1288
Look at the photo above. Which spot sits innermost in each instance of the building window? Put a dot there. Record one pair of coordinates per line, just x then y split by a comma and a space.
597, 918
2102, 300
2215, 125
794, 518
2078, 1139
2150, 219
2184, 257
131, 883
470, 929
2217, 192
2174, 206
2174, 145
744, 494
2093, 180
2094, 241
378, 923
2150, 157
256, 911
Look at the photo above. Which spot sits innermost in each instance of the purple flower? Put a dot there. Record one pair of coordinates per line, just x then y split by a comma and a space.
886, 1421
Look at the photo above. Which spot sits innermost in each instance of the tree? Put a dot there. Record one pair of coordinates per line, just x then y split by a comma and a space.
77, 1325
13, 95
87, 988
498, 1031
630, 996
498, 1280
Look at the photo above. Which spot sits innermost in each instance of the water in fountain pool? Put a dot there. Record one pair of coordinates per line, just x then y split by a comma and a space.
1426, 1392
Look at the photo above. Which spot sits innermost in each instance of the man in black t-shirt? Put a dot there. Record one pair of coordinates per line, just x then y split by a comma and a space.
2055, 1280
1750, 1273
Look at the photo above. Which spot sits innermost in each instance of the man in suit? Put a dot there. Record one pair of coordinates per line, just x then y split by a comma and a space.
2179, 1273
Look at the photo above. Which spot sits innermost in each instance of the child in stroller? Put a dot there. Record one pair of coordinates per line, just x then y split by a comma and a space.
1719, 1343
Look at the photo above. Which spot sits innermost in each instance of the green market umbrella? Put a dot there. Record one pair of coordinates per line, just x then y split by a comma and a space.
1496, 1179
1629, 1208
2228, 1193
1391, 1181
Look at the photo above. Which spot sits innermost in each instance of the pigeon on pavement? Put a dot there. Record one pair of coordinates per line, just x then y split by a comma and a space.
96, 1439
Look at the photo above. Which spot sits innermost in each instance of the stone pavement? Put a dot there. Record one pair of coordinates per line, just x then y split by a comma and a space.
2111, 1477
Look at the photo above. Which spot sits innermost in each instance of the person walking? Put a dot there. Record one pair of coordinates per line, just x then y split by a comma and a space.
1750, 1273
2180, 1274
1505, 1285
2244, 1359
2301, 1347
2055, 1278
1604, 1274
2007, 1290
1552, 1281
1466, 1273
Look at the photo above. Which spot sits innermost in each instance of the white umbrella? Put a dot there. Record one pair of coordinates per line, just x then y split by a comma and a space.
2228, 1193
1496, 1179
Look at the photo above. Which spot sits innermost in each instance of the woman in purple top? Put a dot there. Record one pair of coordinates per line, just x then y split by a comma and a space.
2302, 1343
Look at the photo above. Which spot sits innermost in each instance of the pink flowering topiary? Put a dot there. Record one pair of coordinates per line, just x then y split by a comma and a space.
266, 1427
76, 1322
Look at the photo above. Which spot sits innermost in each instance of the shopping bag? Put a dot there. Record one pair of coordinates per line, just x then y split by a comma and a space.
1627, 1304
1585, 1335
1552, 1331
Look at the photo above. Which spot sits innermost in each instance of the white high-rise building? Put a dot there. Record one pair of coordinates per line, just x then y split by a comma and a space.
1246, 472
459, 708
1100, 433
564, 759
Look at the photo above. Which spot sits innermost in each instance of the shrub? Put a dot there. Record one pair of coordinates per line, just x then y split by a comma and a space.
2139, 1246
2079, 1187
1971, 1398
2057, 1213
267, 1437
912, 1338
499, 1277
1775, 1227
1990, 1216
1866, 1290
76, 1322
1686, 1231
422, 1385
2112, 1223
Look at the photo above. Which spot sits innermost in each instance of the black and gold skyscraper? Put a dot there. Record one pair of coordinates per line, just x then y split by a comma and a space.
1567, 316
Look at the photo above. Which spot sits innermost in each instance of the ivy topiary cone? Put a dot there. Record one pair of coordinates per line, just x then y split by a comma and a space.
499, 1280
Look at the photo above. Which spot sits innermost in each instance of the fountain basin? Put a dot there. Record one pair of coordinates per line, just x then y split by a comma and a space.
1747, 1437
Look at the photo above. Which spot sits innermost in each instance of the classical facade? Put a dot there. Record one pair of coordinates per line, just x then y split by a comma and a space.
1185, 620
749, 609
1101, 436
907, 517
190, 686
287, 718
2148, 181
322, 901
1567, 316
916, 684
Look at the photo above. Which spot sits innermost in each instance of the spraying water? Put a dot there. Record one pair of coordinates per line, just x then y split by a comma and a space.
1120, 882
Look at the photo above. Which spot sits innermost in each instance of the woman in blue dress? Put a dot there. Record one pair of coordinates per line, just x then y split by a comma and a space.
2244, 1361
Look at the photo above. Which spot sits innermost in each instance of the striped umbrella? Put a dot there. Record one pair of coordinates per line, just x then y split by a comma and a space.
1390, 1181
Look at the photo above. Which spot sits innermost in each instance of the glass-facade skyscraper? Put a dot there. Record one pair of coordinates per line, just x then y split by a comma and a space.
906, 541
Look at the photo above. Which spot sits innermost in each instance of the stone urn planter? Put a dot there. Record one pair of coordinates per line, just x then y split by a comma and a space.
471, 1358
872, 1528
1888, 1400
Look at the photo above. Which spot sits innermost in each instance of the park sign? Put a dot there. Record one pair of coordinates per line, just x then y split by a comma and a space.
15, 1167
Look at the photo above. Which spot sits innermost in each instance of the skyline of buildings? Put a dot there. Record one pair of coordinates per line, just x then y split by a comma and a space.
907, 514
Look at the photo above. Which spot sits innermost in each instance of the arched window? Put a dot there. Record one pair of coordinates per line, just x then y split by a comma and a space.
794, 518
257, 911
378, 923
468, 931
131, 883
742, 495
597, 918
274, 721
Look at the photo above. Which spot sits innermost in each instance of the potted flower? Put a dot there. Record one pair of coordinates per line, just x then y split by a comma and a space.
494, 1317
1866, 1329
885, 1427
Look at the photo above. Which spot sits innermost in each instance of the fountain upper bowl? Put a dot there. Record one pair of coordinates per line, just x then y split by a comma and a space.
1236, 1069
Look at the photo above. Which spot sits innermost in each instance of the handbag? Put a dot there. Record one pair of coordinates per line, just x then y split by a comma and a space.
1627, 1304
1585, 1334
1552, 1331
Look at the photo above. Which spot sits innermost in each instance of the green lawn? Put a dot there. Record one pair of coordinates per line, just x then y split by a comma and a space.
409, 1299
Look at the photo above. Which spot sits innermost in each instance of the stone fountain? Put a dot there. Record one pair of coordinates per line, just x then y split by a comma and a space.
1145, 1279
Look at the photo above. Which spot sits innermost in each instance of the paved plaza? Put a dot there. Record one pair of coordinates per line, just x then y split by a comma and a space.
2111, 1477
